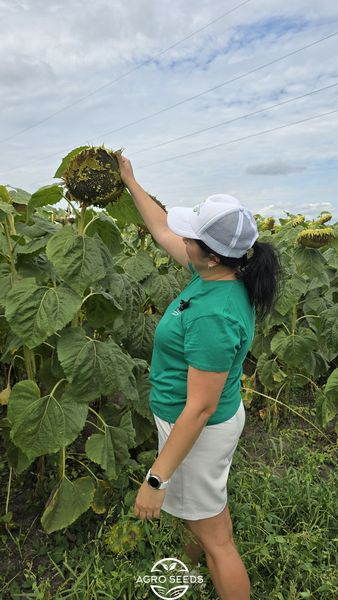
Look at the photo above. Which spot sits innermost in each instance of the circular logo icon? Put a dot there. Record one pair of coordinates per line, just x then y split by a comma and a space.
171, 579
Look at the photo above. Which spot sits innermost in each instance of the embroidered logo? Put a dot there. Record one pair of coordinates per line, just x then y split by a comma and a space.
197, 209
177, 312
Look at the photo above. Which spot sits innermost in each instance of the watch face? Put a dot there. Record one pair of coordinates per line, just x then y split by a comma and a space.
153, 481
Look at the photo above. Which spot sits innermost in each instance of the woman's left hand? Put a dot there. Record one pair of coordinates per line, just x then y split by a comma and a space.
148, 502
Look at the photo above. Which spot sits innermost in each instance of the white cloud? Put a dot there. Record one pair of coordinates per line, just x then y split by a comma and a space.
55, 53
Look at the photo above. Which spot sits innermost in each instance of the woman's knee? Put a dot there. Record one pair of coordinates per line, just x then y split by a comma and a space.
213, 533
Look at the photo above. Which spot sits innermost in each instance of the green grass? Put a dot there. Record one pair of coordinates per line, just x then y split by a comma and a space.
282, 502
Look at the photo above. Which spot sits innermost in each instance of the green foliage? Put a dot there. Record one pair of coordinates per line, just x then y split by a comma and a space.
80, 298
35, 312
67, 502
79, 305
296, 348
282, 501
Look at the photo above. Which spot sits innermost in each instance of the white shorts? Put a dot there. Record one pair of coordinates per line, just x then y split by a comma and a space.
198, 487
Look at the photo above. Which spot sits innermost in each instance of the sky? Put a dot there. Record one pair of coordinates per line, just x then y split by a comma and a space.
77, 72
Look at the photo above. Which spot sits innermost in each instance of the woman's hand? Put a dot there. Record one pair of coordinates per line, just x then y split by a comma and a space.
126, 169
148, 502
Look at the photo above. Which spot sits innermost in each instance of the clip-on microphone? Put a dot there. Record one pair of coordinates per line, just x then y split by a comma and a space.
184, 305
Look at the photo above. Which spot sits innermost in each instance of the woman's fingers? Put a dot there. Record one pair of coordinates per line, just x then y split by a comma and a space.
126, 169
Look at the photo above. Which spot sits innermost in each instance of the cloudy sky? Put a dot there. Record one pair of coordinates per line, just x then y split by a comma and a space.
139, 74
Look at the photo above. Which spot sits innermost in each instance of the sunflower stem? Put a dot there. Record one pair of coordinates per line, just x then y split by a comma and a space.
81, 227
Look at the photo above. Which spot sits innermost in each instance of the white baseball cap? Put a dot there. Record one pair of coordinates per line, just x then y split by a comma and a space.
220, 221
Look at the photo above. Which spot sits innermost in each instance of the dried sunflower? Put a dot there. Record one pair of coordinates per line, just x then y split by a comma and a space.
93, 177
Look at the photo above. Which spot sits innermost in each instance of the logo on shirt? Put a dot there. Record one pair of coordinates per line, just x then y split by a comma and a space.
176, 312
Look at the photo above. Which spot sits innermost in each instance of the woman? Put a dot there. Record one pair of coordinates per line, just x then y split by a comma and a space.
199, 348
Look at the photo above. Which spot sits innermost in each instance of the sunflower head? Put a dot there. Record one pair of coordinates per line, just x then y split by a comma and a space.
93, 177
315, 238
268, 224
297, 220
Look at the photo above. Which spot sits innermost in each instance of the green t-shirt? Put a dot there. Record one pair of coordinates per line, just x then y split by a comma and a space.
214, 333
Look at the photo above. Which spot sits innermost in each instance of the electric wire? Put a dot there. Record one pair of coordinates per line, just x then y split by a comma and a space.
238, 139
216, 87
197, 95
109, 83
250, 114
257, 134
228, 122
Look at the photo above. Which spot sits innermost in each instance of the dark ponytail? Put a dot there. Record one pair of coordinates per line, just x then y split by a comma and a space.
261, 271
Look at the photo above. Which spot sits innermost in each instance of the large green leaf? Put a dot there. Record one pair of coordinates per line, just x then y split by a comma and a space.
162, 289
312, 308
292, 349
331, 256
144, 427
318, 283
137, 394
326, 407
110, 449
293, 290
125, 211
6, 209
36, 312
77, 258
270, 374
331, 388
43, 425
309, 261
19, 196
4, 195
107, 257
132, 297
140, 265
10, 346
67, 502
6, 284
101, 309
329, 327
48, 194
261, 344
16, 458
91, 365
39, 228
140, 339
108, 231
32, 246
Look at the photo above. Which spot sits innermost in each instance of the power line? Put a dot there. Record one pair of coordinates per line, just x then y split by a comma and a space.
109, 83
213, 126
259, 133
238, 139
200, 94
250, 114
216, 87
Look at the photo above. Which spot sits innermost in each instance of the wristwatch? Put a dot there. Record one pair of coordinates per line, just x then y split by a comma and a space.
156, 482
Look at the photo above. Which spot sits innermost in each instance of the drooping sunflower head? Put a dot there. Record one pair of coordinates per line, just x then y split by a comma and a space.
268, 224
93, 177
315, 238
324, 217
297, 220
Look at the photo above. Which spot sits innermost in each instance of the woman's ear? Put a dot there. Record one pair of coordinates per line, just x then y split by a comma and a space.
214, 258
